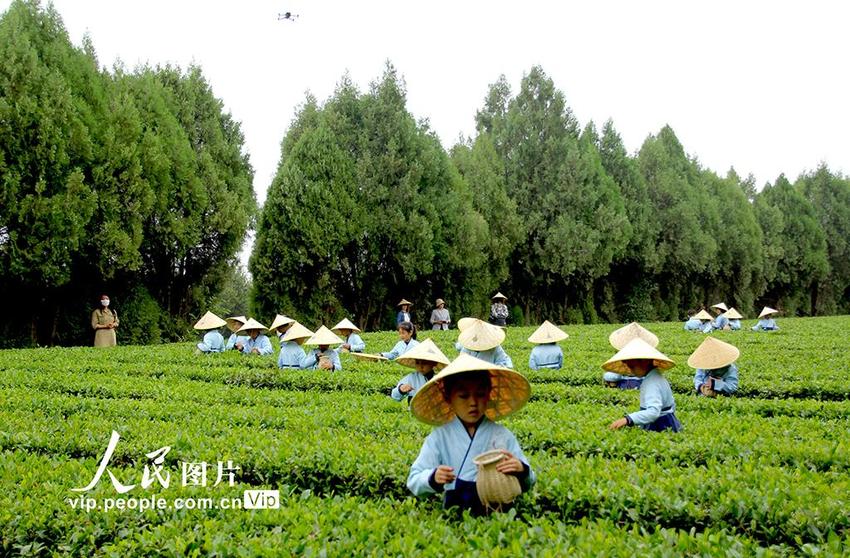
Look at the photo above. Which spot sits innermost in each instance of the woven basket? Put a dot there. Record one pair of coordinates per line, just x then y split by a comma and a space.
325, 362
494, 488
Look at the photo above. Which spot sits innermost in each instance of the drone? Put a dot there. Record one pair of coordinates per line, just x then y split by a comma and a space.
287, 16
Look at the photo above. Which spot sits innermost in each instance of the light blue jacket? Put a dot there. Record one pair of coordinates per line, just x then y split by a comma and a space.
547, 355
720, 322
261, 343
311, 361
614, 377
291, 355
234, 339
402, 317
726, 379
451, 445
497, 356
692, 324
213, 342
766, 325
415, 379
357, 344
734, 325
400, 348
656, 399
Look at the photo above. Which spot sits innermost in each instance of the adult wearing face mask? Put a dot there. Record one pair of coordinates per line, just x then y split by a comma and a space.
104, 322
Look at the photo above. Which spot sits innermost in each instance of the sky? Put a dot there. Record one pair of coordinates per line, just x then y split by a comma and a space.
759, 86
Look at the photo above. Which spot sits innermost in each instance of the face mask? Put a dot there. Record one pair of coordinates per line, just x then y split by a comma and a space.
105, 302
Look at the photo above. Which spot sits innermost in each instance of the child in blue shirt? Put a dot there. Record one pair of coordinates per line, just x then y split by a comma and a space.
716, 372
407, 340
425, 358
463, 401
547, 353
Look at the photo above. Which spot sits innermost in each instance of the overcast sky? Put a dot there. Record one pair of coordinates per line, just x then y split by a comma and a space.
761, 86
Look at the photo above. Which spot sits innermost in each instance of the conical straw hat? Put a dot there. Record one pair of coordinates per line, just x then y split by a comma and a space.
637, 349
510, 391
464, 323
280, 321
713, 353
404, 301
251, 324
620, 338
702, 315
499, 295
345, 324
209, 321
767, 311
297, 331
733, 314
547, 333
481, 336
235, 322
721, 306
324, 336
426, 350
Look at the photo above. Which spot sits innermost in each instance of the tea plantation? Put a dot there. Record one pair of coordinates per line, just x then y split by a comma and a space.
766, 472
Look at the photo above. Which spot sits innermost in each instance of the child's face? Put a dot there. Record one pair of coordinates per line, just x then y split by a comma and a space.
640, 367
345, 332
423, 366
300, 340
404, 335
323, 348
468, 400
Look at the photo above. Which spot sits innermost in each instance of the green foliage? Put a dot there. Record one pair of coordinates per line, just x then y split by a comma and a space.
339, 451
140, 318
110, 182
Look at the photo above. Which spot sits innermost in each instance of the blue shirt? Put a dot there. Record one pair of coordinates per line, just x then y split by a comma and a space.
451, 445
656, 399
357, 344
213, 342
400, 348
291, 355
726, 379
720, 322
497, 356
693, 324
234, 339
547, 355
402, 317
261, 343
734, 325
415, 379
311, 361
766, 325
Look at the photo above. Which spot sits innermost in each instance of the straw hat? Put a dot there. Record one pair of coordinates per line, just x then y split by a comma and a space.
767, 311
345, 324
404, 301
439, 302
703, 315
713, 353
733, 314
547, 333
426, 350
280, 321
620, 338
324, 336
499, 295
721, 306
209, 321
637, 349
481, 336
235, 322
251, 324
510, 391
297, 331
464, 323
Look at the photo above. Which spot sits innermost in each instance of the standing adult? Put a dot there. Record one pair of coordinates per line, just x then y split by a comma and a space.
440, 315
104, 322
404, 312
499, 310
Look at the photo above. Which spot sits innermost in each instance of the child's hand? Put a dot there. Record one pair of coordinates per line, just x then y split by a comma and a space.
619, 423
405, 388
510, 464
444, 474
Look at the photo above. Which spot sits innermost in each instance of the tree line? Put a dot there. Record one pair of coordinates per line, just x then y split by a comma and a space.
136, 184
367, 207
